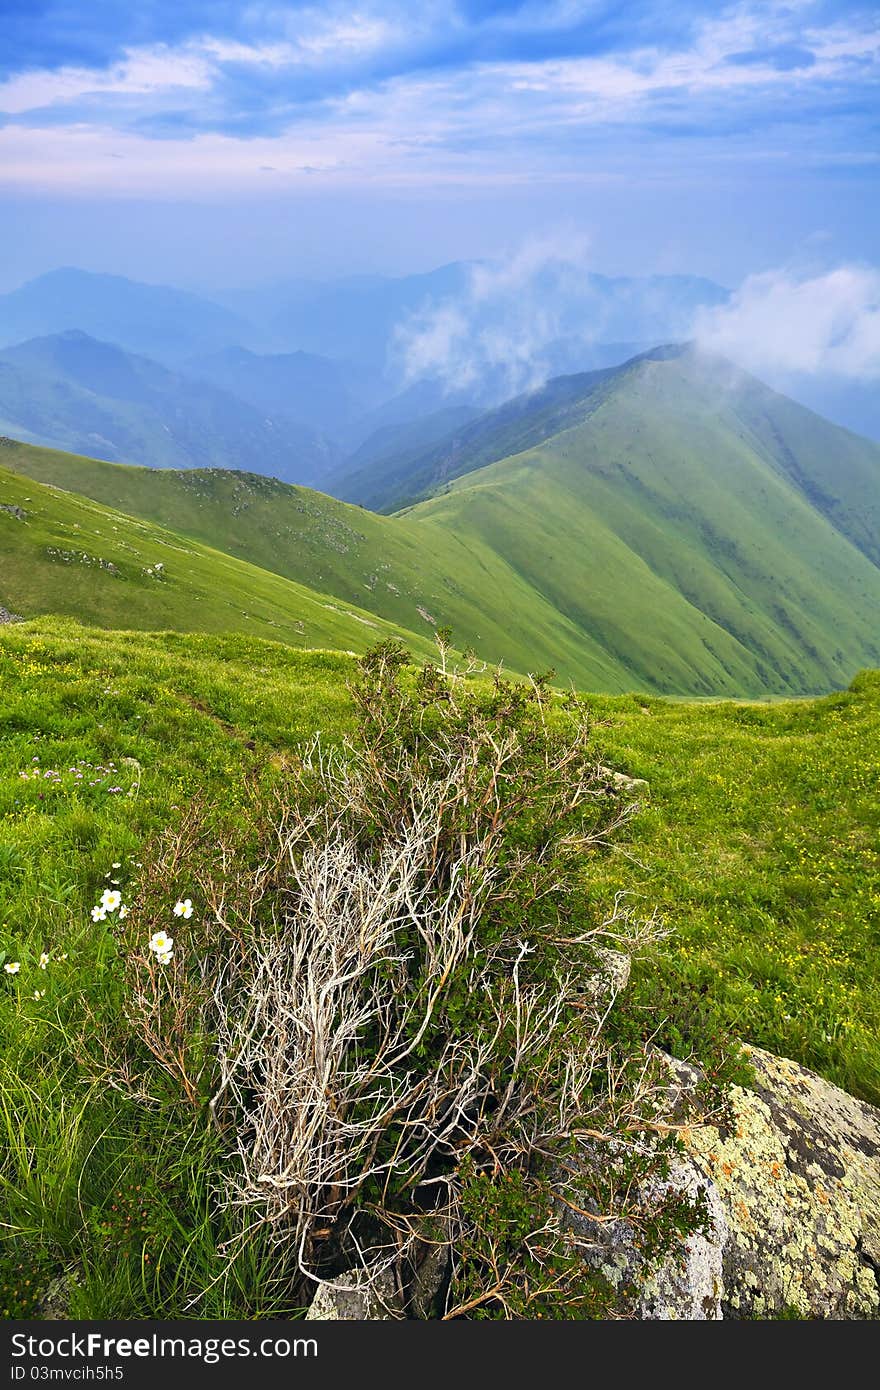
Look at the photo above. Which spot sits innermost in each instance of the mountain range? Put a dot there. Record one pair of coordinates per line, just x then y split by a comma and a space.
78, 393
670, 524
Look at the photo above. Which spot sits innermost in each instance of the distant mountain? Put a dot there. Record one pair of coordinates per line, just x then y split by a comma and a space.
359, 318
332, 397
670, 524
353, 318
74, 392
394, 448
155, 320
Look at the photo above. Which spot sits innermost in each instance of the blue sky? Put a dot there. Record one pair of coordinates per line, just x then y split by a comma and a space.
207, 142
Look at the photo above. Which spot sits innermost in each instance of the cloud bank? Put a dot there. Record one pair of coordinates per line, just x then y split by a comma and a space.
782, 322
500, 334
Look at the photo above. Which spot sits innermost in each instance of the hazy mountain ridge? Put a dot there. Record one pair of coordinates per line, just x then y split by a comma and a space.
74, 392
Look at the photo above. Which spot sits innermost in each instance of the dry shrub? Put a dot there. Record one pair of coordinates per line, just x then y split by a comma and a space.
400, 1003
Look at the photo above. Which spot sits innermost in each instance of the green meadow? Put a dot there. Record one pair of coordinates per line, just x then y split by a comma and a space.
757, 842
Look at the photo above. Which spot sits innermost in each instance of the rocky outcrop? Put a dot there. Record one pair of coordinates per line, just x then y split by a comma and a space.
792, 1188
798, 1176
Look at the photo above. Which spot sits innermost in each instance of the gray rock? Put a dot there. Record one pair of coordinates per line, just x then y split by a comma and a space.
56, 1303
429, 1281
358, 1296
621, 781
798, 1175
792, 1187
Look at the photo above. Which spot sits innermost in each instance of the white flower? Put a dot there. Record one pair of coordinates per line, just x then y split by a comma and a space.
98, 914
116, 866
164, 958
44, 959
123, 912
161, 944
184, 908
12, 967
110, 899
38, 993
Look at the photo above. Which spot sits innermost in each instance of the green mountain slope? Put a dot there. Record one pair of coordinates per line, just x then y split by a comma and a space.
64, 554
71, 391
405, 475
658, 541
664, 466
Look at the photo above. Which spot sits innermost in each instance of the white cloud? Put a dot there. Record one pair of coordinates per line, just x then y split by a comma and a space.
780, 321
506, 121
143, 72
500, 332
318, 39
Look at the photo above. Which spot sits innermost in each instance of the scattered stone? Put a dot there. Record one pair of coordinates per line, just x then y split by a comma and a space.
620, 781
7, 617
18, 512
71, 557
423, 612
357, 1297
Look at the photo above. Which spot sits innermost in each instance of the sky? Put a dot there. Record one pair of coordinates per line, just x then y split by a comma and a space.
209, 143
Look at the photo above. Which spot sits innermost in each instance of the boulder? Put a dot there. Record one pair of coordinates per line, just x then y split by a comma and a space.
620, 781
798, 1176
792, 1188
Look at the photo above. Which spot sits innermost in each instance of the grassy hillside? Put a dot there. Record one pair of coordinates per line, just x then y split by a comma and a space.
71, 391
658, 537
63, 554
757, 840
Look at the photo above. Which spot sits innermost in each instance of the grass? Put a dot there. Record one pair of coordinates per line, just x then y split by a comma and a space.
760, 845
758, 842
68, 555
89, 1179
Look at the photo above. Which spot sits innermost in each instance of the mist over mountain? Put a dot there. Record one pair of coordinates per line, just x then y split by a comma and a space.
351, 356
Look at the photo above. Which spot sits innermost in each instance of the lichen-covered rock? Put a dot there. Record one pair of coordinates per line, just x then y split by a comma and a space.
792, 1189
798, 1176
356, 1297
56, 1303
685, 1286
612, 974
